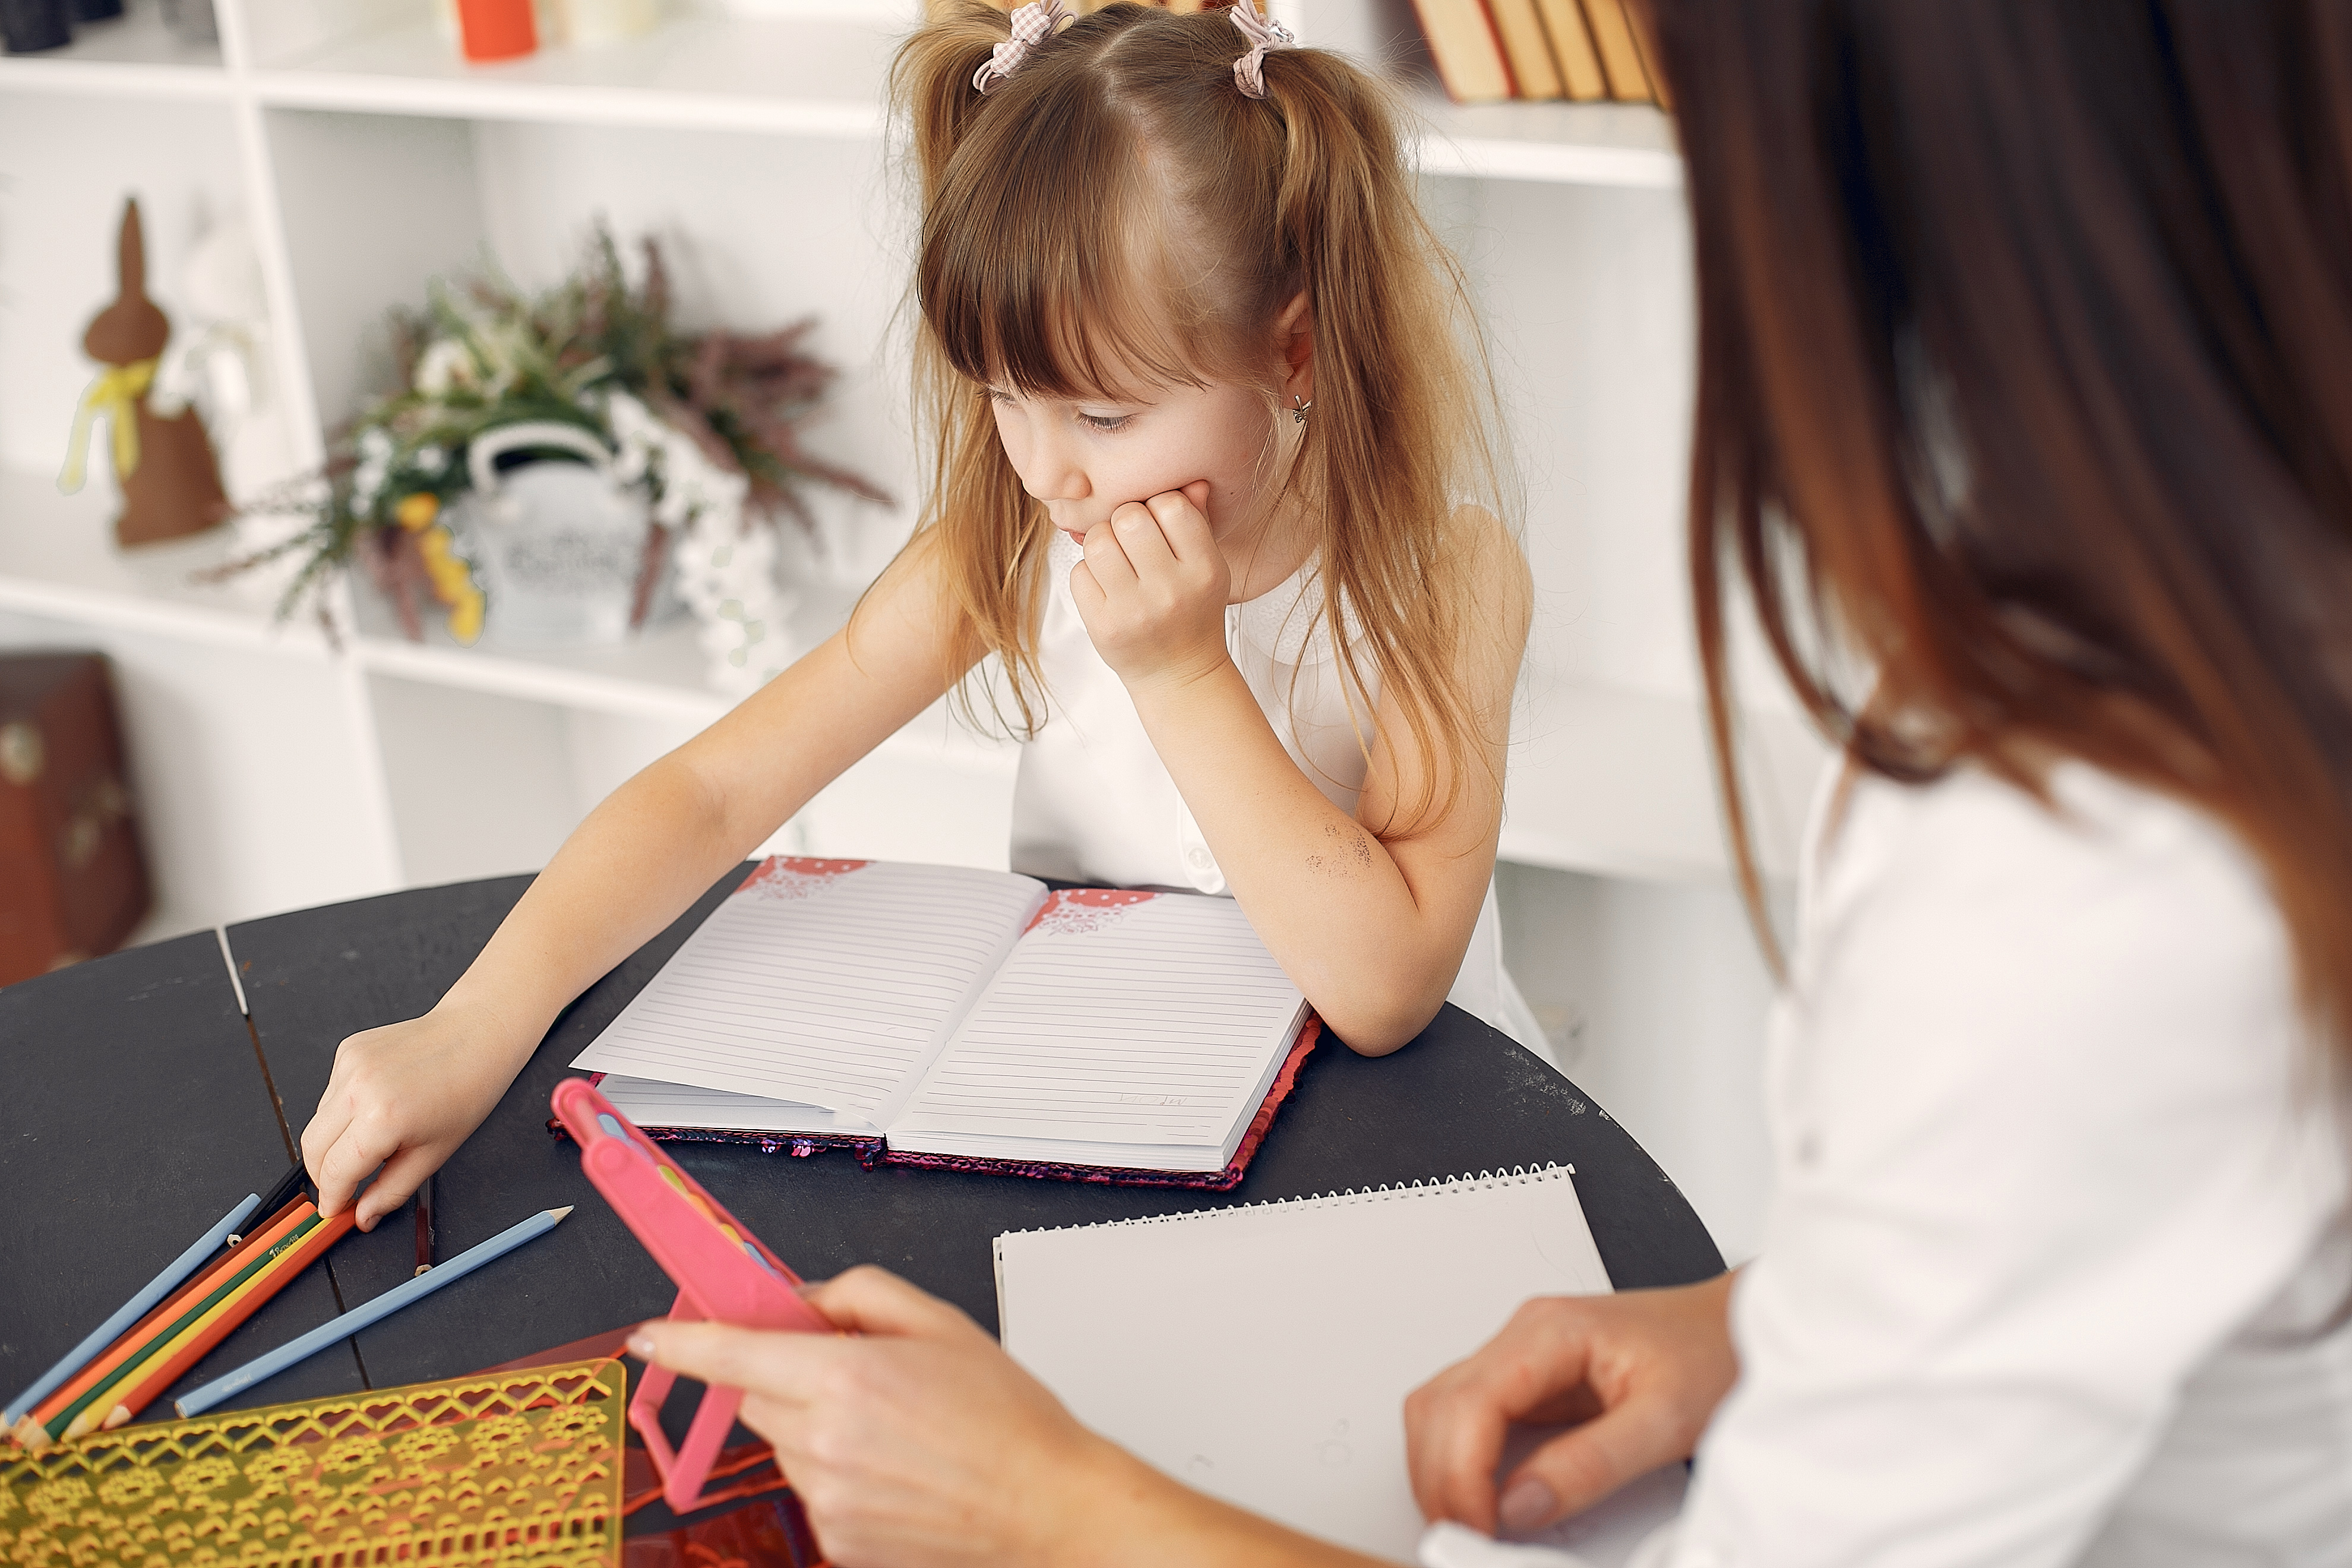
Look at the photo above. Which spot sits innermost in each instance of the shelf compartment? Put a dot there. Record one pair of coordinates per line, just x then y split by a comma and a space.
798, 76
134, 55
1620, 784
825, 78
1624, 144
57, 558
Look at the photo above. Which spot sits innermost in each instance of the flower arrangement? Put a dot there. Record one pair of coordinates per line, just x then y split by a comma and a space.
708, 422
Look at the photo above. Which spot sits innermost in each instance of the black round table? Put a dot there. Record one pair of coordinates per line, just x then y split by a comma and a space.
143, 1100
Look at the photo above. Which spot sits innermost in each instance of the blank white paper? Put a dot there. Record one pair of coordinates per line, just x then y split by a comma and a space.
1263, 1355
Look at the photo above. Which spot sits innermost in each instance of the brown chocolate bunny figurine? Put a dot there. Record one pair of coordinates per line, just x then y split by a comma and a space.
170, 484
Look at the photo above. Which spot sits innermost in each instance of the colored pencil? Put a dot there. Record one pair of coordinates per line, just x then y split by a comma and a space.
425, 1225
100, 1401
198, 1345
288, 1187
262, 1249
144, 1334
131, 1311
358, 1318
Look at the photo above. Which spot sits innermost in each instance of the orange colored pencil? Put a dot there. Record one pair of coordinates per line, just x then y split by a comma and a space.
192, 1346
139, 1337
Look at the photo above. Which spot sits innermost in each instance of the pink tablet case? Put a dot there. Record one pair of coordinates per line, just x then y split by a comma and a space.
724, 1273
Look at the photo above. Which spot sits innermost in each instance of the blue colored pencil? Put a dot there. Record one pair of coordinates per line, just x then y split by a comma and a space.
360, 1317
131, 1311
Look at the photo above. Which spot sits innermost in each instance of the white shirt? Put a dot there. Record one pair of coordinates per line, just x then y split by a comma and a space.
1093, 802
2059, 1207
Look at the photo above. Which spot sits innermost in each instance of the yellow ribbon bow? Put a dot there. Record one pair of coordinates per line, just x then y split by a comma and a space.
115, 394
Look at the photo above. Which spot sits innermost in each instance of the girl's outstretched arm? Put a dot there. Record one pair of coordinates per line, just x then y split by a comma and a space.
405, 1095
1369, 915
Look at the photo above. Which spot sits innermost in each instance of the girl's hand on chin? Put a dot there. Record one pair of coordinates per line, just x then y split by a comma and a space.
1152, 589
912, 1439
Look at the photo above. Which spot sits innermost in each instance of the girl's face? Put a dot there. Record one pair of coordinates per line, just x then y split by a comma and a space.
1083, 457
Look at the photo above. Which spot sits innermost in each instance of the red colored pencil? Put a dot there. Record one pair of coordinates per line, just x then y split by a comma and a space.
136, 1339
148, 1384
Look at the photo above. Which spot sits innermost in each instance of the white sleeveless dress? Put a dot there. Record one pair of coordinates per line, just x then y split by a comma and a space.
1093, 803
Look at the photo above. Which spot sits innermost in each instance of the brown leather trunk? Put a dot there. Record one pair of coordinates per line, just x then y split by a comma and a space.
73, 883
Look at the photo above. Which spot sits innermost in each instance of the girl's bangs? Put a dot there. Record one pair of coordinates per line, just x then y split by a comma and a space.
1033, 290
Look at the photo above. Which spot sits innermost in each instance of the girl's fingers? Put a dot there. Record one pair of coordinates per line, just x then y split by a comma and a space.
1183, 520
1142, 537
327, 1125
348, 1164
1107, 556
397, 1183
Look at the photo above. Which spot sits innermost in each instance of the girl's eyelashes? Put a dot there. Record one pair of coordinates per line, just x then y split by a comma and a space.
1100, 424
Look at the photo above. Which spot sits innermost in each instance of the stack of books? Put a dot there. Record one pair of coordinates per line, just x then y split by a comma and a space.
1488, 51
1582, 50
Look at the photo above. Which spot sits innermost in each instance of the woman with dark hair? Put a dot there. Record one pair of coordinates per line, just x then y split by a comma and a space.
2025, 422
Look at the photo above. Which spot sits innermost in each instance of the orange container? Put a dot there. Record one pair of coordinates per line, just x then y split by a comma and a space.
496, 29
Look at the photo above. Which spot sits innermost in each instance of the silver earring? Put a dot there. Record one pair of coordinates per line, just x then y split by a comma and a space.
1298, 411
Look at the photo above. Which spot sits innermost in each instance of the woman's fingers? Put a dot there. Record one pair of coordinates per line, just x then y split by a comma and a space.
870, 1301
1455, 1423
779, 1367
1580, 1467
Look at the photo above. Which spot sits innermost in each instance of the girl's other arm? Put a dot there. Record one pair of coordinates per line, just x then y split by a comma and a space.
1371, 914
405, 1095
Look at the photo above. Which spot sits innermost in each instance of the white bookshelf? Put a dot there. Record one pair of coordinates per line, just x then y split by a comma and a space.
279, 766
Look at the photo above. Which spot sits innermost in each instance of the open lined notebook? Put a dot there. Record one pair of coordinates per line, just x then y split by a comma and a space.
939, 1014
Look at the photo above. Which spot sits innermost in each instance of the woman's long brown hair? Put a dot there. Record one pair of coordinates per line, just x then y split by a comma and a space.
2026, 375
1116, 210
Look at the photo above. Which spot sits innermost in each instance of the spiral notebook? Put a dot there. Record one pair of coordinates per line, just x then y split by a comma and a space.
942, 1015
1263, 1353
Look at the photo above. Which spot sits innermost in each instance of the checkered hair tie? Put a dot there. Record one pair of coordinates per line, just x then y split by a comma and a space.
1249, 71
1031, 25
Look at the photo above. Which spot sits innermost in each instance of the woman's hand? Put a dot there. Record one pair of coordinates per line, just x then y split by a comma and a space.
1642, 1371
404, 1097
1152, 589
920, 1441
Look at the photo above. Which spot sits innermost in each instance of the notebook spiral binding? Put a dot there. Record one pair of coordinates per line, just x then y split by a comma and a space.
1518, 1175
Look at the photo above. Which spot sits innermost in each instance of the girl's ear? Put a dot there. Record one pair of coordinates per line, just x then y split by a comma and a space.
1294, 340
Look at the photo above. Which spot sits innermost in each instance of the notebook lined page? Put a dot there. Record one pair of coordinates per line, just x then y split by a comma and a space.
829, 983
1140, 1020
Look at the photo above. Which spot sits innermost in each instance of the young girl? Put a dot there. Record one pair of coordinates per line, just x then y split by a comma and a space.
1208, 470
2023, 392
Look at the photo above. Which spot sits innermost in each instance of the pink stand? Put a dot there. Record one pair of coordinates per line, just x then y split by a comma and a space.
728, 1278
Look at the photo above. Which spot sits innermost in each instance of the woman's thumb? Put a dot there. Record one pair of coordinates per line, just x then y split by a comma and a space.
1580, 1467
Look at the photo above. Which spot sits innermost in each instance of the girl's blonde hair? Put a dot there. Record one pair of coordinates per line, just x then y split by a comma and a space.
1117, 210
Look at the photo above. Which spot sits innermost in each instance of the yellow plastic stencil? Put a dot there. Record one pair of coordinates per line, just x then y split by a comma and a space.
506, 1468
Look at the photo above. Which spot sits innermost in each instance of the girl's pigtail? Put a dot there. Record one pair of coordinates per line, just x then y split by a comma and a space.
932, 82
1386, 448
